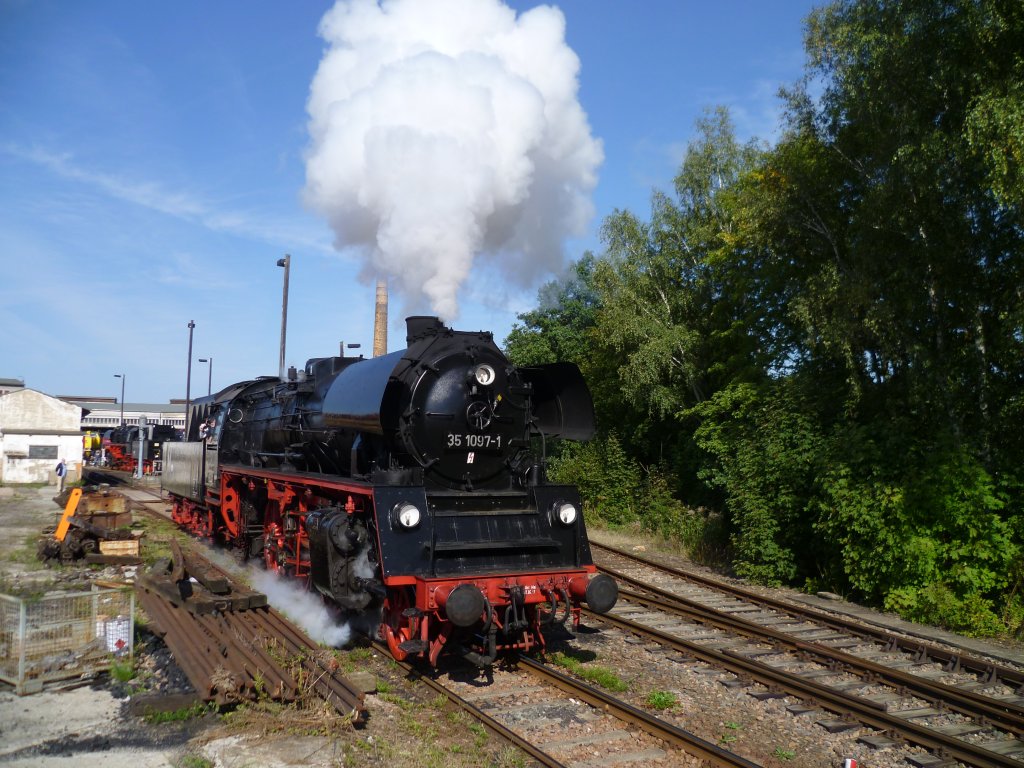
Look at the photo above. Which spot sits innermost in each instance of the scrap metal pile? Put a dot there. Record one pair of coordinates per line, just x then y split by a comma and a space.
95, 527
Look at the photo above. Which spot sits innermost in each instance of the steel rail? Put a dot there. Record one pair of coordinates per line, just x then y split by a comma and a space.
660, 729
335, 688
1005, 714
849, 707
233, 640
489, 722
954, 661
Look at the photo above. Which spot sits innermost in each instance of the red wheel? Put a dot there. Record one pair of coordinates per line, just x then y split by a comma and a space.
395, 628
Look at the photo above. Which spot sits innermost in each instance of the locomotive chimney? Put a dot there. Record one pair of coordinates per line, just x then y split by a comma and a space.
420, 326
380, 319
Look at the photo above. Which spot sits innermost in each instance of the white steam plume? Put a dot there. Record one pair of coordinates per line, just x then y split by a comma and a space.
303, 607
445, 129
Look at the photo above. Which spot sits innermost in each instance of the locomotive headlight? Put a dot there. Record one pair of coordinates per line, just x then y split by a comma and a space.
406, 515
484, 375
566, 513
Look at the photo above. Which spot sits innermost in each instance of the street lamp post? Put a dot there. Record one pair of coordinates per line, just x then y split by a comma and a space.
122, 377
286, 262
188, 376
209, 377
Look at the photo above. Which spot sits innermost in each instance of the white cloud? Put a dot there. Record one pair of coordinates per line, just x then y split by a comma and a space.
286, 233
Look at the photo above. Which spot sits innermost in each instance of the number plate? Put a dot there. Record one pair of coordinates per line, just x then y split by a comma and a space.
457, 441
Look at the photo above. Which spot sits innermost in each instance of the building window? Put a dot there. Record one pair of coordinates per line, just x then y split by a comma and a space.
42, 451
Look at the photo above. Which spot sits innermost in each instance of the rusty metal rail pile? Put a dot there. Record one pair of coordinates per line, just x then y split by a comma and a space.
231, 645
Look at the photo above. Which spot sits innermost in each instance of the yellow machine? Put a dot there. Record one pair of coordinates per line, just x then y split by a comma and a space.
90, 442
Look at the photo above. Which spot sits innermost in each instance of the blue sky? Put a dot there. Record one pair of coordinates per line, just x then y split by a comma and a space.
152, 167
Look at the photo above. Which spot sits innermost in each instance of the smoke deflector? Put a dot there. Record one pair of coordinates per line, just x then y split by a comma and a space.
562, 405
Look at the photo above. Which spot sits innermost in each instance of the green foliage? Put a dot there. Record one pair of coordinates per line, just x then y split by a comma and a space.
731, 733
931, 546
192, 712
122, 671
618, 491
608, 479
701, 532
597, 675
662, 283
765, 450
559, 330
822, 342
661, 700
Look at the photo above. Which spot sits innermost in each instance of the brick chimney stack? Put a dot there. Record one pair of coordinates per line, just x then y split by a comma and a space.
380, 319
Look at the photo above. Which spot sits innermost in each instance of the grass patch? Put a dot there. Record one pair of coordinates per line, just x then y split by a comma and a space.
195, 761
479, 734
731, 733
509, 757
661, 700
27, 555
179, 715
360, 654
354, 659
400, 701
122, 671
597, 675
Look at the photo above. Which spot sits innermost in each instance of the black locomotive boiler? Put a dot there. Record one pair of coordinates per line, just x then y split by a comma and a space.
408, 488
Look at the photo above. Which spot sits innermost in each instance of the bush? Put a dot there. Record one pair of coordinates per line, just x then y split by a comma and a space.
700, 532
763, 451
609, 481
938, 605
928, 542
618, 491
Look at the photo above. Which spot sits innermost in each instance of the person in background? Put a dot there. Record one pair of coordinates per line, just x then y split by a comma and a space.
62, 471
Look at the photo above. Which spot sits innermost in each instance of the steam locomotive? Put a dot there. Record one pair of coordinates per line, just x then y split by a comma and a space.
408, 489
120, 447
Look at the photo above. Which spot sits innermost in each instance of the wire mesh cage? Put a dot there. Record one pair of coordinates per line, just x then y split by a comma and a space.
64, 636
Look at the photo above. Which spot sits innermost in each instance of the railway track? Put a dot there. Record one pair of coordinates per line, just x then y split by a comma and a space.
234, 656
553, 718
957, 706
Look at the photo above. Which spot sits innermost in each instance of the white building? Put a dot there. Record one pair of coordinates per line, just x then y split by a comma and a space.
101, 415
37, 431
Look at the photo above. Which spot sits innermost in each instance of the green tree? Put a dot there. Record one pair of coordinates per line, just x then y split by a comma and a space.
826, 337
906, 320
668, 301
561, 328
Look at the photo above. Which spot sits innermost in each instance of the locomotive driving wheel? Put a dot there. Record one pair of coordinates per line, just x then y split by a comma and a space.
396, 628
